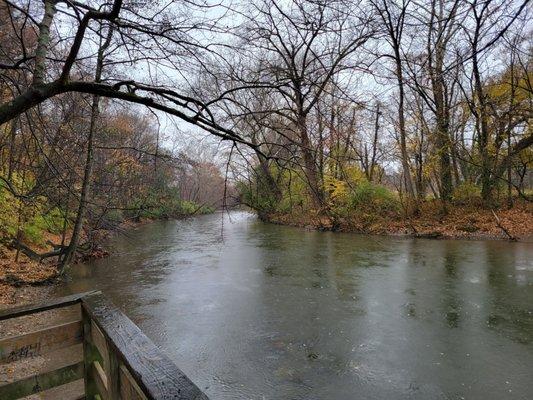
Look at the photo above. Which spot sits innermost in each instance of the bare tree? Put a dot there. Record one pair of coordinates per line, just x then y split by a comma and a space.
144, 39
300, 47
393, 16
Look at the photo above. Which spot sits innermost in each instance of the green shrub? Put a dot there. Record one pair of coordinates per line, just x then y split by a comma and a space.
193, 208
33, 233
292, 200
294, 192
114, 216
34, 220
53, 221
372, 197
467, 193
8, 213
256, 197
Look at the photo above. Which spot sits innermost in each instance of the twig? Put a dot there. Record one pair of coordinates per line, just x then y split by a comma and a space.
498, 222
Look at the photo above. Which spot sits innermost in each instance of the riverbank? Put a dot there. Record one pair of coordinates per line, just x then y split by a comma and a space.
24, 281
459, 222
28, 281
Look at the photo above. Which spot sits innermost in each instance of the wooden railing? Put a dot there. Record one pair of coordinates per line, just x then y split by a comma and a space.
117, 361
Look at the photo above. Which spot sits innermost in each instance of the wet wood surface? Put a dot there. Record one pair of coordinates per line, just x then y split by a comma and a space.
118, 361
157, 376
40, 342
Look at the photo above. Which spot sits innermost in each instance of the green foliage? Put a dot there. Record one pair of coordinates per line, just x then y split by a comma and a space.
467, 193
250, 197
350, 195
187, 207
293, 192
256, 197
161, 204
9, 212
28, 215
190, 208
33, 233
34, 228
369, 196
51, 221
115, 216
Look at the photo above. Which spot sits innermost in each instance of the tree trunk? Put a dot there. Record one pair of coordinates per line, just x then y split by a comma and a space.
509, 175
12, 149
487, 183
375, 145
271, 184
446, 185
310, 171
442, 138
85, 189
43, 41
311, 175
401, 122
86, 185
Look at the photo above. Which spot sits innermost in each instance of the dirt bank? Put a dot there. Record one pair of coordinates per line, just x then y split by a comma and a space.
466, 222
23, 280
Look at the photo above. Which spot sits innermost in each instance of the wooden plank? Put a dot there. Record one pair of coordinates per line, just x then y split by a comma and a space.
109, 361
100, 374
129, 390
154, 372
68, 391
35, 308
99, 341
100, 380
113, 375
90, 354
40, 342
37, 383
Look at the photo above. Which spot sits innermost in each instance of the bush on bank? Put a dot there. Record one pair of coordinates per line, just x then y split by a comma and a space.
467, 193
29, 218
349, 196
33, 220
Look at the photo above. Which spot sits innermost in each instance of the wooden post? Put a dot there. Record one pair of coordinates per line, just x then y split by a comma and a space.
89, 357
110, 361
113, 376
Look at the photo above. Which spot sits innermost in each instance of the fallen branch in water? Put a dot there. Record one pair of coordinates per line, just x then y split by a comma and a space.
498, 222
32, 255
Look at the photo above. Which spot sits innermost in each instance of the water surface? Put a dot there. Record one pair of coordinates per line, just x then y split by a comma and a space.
256, 311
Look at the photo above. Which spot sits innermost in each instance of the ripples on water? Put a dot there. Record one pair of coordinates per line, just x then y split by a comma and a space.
256, 311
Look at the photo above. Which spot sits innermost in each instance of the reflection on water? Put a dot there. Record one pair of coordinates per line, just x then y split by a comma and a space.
257, 311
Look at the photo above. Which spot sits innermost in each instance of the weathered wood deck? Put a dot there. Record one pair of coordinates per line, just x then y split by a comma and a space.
117, 362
